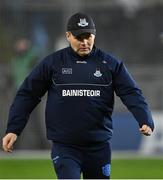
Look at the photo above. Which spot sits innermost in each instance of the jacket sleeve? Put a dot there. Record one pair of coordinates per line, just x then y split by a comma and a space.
131, 96
29, 95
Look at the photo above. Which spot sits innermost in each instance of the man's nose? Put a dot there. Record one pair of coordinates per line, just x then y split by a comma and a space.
84, 41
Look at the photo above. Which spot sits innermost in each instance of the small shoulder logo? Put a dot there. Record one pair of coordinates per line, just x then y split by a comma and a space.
106, 170
98, 73
83, 23
66, 70
104, 62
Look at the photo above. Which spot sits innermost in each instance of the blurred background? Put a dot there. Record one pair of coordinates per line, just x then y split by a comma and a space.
131, 30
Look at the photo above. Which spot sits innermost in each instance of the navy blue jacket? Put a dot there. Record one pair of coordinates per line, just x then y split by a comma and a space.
80, 97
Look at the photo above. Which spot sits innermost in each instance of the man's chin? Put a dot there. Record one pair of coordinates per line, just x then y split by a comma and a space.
84, 53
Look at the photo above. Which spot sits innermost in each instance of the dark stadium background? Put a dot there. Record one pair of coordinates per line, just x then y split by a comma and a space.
131, 30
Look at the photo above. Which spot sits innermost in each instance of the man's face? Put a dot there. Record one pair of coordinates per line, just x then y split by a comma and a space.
81, 44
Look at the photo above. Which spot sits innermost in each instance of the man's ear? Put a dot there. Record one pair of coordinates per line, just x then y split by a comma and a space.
67, 35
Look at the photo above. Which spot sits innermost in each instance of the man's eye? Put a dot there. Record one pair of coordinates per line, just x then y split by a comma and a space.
78, 38
83, 37
87, 36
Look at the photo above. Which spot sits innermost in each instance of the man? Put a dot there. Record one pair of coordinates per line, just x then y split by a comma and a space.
81, 81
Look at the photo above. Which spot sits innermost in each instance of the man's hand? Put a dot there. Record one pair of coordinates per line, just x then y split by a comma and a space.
8, 142
146, 130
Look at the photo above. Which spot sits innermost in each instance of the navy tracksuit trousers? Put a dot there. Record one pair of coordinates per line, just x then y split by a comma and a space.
70, 161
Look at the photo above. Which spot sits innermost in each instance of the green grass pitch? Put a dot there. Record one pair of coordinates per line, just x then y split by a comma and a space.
43, 169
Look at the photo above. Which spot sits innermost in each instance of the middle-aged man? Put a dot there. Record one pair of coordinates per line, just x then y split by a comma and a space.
80, 80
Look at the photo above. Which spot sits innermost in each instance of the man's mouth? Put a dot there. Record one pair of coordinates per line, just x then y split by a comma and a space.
84, 49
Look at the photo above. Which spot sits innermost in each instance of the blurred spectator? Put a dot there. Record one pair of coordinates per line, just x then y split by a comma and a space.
39, 33
130, 6
161, 37
25, 58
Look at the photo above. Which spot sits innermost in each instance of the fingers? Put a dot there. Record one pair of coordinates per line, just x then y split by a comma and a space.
146, 130
10, 145
8, 142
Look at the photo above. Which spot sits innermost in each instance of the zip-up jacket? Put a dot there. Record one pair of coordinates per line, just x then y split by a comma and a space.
80, 97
